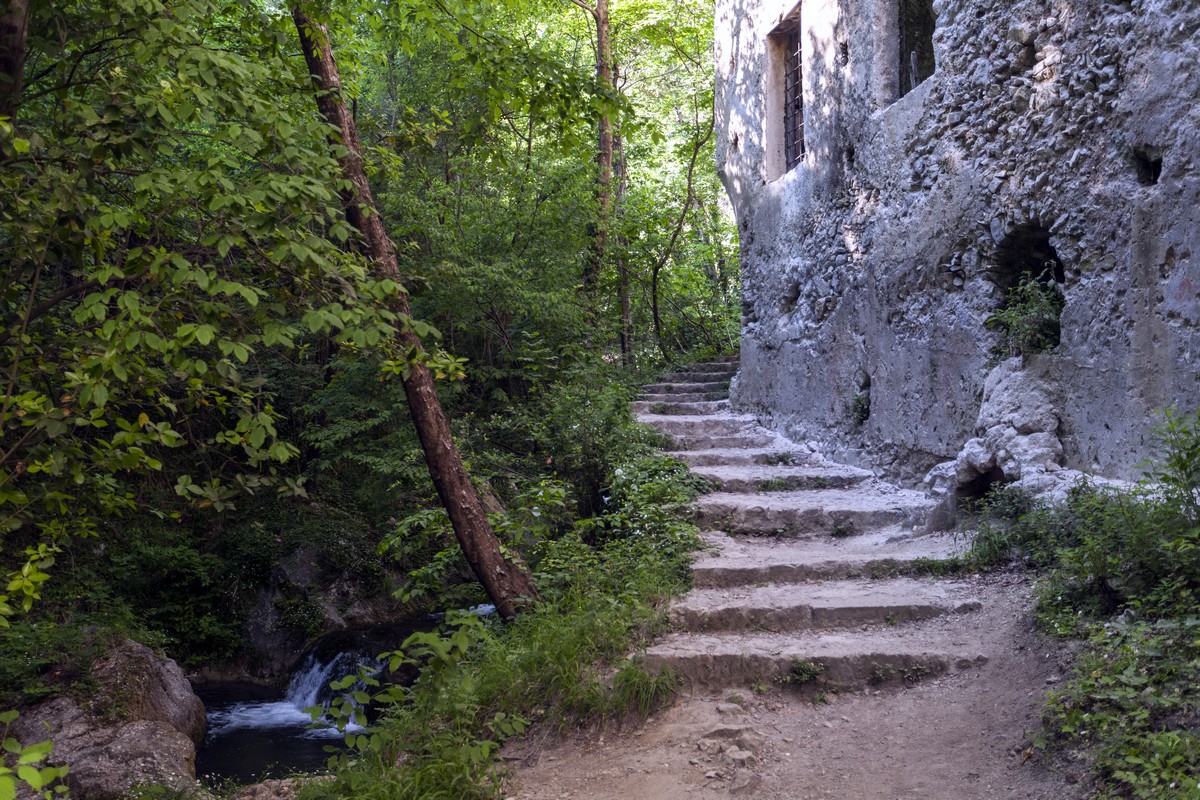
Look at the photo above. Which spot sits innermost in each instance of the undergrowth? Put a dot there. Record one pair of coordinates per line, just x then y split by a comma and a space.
1121, 571
604, 588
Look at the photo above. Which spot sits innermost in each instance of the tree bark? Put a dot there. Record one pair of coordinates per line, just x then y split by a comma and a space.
623, 279
604, 154
508, 583
14, 35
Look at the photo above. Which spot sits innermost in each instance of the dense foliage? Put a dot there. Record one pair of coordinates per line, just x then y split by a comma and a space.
482, 683
1122, 572
199, 379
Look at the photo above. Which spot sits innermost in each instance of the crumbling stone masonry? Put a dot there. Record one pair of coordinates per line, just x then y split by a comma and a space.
946, 148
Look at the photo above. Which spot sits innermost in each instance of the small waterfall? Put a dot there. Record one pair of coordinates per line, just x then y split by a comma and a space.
308, 687
254, 733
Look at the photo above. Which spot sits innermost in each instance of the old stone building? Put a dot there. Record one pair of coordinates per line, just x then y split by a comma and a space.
896, 166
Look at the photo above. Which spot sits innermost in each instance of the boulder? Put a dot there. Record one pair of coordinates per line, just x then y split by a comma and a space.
141, 727
146, 687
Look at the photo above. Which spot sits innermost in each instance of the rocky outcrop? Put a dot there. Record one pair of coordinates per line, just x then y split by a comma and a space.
305, 602
142, 726
1016, 440
1016, 431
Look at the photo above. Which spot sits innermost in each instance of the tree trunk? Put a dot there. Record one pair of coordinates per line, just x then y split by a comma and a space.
604, 155
623, 277
14, 33
507, 583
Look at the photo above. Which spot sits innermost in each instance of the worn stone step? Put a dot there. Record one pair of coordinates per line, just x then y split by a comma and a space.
751, 478
715, 365
692, 408
730, 561
834, 512
703, 441
843, 661
684, 397
707, 376
686, 388
831, 604
772, 454
723, 424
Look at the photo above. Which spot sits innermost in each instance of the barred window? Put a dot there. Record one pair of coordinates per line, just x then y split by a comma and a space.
793, 98
917, 23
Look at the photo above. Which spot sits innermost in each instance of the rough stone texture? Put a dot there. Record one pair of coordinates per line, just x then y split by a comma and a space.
143, 686
737, 561
837, 512
277, 788
141, 727
870, 268
840, 604
1017, 427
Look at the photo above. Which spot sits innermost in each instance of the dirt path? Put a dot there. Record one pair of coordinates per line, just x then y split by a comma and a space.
818, 667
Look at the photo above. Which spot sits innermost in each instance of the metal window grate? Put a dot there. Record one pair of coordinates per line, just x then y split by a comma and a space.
793, 98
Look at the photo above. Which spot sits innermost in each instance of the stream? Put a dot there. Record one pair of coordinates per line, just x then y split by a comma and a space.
255, 733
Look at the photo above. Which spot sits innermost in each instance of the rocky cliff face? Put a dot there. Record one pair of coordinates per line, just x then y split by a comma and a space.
1060, 140
142, 726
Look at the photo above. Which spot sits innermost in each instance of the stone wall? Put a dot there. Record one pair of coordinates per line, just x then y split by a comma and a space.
871, 268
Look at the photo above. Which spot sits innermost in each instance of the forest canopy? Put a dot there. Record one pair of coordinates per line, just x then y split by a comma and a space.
201, 364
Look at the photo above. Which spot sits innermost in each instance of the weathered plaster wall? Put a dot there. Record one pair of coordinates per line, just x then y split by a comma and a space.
868, 268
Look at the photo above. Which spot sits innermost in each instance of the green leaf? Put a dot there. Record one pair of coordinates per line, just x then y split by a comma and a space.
30, 775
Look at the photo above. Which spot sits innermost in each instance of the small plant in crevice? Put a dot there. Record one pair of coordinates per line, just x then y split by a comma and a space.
841, 530
643, 692
802, 672
1029, 317
879, 674
860, 408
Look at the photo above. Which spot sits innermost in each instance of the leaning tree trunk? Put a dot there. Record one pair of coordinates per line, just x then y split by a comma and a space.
507, 583
14, 33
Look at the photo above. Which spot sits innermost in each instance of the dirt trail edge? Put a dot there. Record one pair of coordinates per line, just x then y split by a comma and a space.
816, 663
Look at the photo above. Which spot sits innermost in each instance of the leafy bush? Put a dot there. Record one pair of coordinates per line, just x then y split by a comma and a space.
1123, 572
1029, 318
482, 681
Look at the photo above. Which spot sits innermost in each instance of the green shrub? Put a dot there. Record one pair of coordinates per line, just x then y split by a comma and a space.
1122, 570
1029, 318
604, 585
802, 672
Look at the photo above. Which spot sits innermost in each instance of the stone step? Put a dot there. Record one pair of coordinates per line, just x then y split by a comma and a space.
693, 408
686, 388
842, 661
716, 456
703, 441
833, 512
715, 365
731, 561
832, 604
707, 376
723, 424
751, 478
684, 397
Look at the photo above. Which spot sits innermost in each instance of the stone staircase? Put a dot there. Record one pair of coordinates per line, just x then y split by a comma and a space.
810, 574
